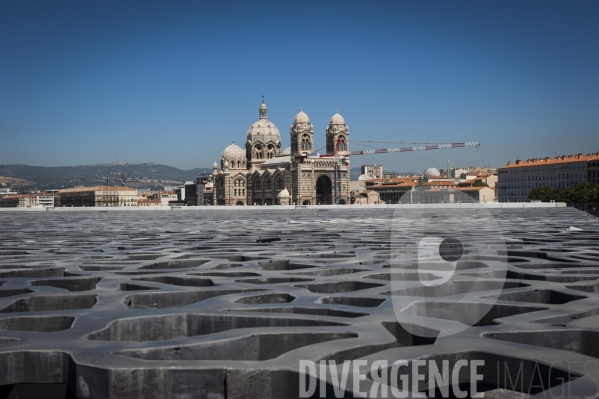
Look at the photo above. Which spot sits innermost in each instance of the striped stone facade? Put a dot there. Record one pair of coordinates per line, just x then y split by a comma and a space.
260, 173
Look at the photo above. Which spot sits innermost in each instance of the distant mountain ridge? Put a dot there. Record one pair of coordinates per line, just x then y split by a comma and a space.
136, 175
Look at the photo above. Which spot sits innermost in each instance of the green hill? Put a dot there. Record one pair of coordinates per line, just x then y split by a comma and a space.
145, 175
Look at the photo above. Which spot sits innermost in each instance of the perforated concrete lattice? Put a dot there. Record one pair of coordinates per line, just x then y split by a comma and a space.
188, 304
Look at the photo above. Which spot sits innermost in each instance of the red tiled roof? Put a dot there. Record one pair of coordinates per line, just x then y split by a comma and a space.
98, 188
20, 196
552, 161
440, 183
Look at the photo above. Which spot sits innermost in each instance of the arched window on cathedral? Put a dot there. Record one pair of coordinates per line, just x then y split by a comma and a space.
258, 152
305, 143
278, 183
257, 184
341, 144
268, 184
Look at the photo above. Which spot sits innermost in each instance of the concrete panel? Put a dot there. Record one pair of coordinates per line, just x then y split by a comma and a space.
187, 303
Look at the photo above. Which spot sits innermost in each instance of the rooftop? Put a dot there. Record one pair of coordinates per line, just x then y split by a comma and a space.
98, 188
561, 159
20, 196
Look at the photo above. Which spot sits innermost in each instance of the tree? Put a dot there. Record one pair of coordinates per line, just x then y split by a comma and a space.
580, 194
544, 194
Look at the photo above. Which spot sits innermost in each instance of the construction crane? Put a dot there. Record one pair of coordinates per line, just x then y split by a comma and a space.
422, 148
341, 158
123, 179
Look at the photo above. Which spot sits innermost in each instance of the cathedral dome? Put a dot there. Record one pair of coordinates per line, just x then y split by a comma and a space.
301, 118
284, 193
286, 151
432, 172
233, 152
337, 120
263, 130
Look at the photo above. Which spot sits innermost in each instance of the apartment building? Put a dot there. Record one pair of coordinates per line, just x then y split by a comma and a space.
517, 179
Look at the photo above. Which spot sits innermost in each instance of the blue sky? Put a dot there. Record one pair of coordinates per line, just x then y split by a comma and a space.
84, 82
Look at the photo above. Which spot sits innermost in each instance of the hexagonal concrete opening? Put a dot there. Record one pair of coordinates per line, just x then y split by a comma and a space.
34, 273
402, 276
225, 274
352, 301
223, 266
164, 300
456, 288
5, 340
70, 284
585, 287
44, 303
256, 347
573, 340
331, 272
332, 255
304, 310
266, 298
468, 313
135, 287
276, 264
176, 264
155, 328
180, 281
5, 293
36, 390
568, 317
273, 280
549, 297
423, 335
341, 286
37, 323
237, 258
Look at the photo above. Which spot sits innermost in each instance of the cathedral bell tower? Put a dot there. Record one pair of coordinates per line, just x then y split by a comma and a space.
301, 134
337, 135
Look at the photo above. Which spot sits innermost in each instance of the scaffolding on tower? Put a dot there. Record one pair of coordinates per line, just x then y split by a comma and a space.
337, 180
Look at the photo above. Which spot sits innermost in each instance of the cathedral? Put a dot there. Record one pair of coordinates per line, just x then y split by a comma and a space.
264, 174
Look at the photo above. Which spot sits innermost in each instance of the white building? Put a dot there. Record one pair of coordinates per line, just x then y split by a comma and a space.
369, 172
18, 201
517, 179
96, 196
45, 199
